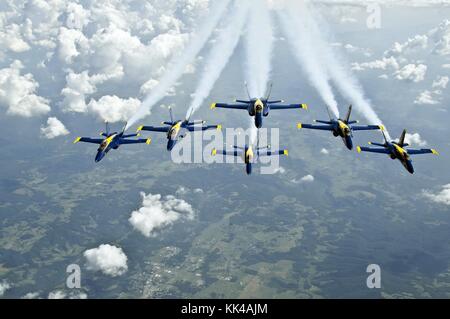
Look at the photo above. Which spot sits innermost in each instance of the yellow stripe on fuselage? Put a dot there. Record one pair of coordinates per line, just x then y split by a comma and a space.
248, 155
344, 128
259, 106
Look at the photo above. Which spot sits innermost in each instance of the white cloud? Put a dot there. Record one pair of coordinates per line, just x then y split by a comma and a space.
77, 87
59, 294
415, 140
70, 41
17, 92
442, 197
157, 212
114, 109
280, 170
304, 179
412, 72
31, 295
412, 44
307, 179
381, 64
426, 97
4, 285
324, 151
54, 128
441, 37
108, 259
11, 39
441, 82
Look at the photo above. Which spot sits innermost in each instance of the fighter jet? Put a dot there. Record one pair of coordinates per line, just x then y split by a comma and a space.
397, 150
177, 130
341, 127
248, 155
259, 107
111, 141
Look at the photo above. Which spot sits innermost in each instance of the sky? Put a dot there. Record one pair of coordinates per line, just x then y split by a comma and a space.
66, 67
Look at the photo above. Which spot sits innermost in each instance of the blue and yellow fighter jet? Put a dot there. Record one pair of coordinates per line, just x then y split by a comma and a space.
397, 150
341, 127
248, 155
111, 141
258, 107
177, 130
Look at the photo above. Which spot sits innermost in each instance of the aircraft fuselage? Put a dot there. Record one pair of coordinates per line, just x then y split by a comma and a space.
110, 142
397, 152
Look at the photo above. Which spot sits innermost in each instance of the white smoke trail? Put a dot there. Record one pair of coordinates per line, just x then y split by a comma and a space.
220, 54
179, 62
341, 76
308, 56
259, 47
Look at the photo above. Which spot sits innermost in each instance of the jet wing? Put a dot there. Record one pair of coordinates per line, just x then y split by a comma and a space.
422, 151
366, 127
288, 106
235, 152
138, 141
273, 153
164, 129
236, 106
204, 128
88, 140
315, 127
372, 150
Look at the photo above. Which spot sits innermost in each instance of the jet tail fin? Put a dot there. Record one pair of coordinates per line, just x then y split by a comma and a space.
269, 91
349, 113
171, 114
401, 141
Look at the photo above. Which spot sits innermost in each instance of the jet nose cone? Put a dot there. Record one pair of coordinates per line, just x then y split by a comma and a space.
99, 157
170, 145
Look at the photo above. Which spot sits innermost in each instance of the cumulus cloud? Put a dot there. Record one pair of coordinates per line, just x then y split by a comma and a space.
324, 151
411, 45
59, 294
54, 128
433, 96
415, 140
108, 259
70, 42
31, 295
157, 213
442, 197
304, 179
412, 72
441, 82
4, 285
114, 109
17, 92
426, 97
382, 64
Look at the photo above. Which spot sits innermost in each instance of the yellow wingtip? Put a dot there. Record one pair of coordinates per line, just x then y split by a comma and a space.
286, 152
382, 128
219, 127
148, 141
138, 134
299, 125
213, 152
304, 106
140, 128
77, 140
213, 105
370, 143
358, 149
434, 152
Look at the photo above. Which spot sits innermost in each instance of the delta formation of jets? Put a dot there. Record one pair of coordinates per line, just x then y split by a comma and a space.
258, 108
